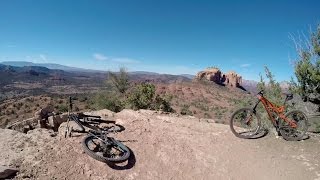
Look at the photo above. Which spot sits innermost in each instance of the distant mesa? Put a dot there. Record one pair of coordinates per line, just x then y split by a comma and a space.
231, 79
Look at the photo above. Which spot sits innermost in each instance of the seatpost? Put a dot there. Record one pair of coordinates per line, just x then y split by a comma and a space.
70, 103
284, 103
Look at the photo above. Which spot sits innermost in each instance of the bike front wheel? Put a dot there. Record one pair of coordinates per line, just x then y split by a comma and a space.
245, 123
294, 133
109, 150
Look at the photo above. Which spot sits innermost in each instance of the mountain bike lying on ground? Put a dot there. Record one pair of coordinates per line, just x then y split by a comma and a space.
246, 123
97, 143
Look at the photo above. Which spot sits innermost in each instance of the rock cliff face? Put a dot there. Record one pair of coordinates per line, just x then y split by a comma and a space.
231, 78
210, 74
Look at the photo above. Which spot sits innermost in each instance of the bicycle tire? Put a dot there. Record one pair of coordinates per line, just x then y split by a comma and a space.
287, 132
241, 135
98, 156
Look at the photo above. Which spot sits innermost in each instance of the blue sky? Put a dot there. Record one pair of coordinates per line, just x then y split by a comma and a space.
166, 36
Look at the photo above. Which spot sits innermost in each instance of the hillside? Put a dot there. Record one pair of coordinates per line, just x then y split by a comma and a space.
163, 147
200, 99
47, 65
205, 99
37, 80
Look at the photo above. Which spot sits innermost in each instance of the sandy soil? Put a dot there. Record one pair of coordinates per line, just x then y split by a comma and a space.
163, 147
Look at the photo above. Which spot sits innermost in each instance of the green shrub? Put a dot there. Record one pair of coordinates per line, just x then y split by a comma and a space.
307, 67
83, 98
206, 115
185, 110
107, 100
142, 96
120, 80
162, 104
273, 92
62, 108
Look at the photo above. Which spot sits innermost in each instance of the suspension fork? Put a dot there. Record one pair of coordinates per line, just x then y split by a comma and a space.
248, 119
255, 106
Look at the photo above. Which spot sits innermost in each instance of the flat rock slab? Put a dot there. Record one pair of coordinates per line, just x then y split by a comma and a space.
6, 172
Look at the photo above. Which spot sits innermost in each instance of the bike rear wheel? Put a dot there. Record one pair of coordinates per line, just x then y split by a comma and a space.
244, 123
294, 134
110, 150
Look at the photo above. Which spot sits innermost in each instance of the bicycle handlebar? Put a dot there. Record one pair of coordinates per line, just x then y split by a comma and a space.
81, 115
260, 92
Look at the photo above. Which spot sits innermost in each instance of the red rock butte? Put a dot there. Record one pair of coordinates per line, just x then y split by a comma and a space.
231, 78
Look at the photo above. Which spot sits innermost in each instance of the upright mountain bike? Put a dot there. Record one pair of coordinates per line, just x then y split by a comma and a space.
97, 143
292, 125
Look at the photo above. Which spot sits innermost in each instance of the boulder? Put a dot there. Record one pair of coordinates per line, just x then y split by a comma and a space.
55, 121
42, 115
7, 172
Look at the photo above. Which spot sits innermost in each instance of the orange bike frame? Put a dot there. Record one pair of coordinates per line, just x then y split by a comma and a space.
278, 110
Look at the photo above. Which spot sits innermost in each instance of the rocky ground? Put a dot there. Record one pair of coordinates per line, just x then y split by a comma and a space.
163, 147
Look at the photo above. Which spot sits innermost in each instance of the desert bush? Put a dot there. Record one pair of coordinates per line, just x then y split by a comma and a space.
62, 108
107, 100
218, 113
185, 110
142, 96
120, 80
272, 89
307, 68
162, 104
273, 92
83, 98
201, 104
206, 115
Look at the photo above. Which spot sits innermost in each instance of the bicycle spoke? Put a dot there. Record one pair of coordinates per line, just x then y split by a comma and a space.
294, 133
245, 123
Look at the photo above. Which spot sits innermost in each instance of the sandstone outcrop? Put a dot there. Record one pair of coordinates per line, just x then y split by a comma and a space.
231, 78
210, 74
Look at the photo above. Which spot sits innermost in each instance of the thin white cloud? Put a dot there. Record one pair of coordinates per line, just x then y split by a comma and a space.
245, 65
125, 60
40, 58
43, 57
100, 57
11, 46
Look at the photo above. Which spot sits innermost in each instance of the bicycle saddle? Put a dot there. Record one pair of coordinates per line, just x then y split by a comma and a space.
289, 96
